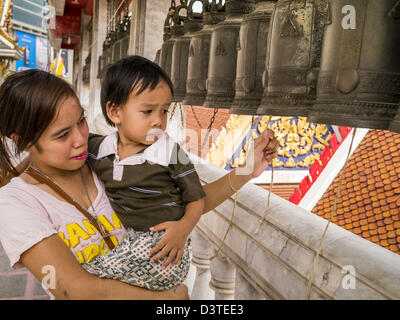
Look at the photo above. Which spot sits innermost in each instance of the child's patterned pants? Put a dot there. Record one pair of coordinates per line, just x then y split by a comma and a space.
130, 262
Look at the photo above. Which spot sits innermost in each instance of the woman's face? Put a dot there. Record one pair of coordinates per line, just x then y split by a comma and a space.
63, 146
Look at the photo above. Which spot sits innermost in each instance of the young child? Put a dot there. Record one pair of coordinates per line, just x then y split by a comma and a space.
151, 183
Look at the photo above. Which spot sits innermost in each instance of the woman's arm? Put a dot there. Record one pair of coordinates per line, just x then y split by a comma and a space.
265, 150
73, 282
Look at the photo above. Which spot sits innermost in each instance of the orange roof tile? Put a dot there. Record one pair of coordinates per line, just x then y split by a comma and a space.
283, 190
369, 203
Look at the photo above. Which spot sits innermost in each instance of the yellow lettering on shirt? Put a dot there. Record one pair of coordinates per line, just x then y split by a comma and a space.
79, 254
103, 247
114, 240
91, 229
104, 221
116, 221
75, 232
91, 251
62, 236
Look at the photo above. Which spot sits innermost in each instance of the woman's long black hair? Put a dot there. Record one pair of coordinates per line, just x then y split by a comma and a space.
28, 103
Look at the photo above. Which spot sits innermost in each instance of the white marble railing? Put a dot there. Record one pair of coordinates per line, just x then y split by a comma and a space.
276, 263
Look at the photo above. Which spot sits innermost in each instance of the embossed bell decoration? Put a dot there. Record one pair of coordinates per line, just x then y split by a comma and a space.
223, 55
165, 58
199, 54
293, 57
359, 81
180, 51
252, 51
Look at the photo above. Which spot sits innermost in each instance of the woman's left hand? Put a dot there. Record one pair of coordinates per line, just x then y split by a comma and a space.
261, 154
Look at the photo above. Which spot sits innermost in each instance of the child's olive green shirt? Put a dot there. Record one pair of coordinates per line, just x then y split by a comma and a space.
147, 188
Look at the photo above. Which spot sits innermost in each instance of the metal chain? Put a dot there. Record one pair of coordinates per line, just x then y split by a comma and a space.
173, 111
182, 122
209, 128
197, 119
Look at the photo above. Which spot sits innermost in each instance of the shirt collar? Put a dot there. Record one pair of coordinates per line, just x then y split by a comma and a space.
108, 146
159, 152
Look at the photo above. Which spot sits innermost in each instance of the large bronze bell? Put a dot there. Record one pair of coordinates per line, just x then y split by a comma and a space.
199, 54
157, 57
293, 57
251, 58
359, 81
180, 51
395, 124
116, 51
223, 55
165, 59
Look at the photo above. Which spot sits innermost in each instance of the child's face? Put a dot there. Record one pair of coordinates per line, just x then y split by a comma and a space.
144, 117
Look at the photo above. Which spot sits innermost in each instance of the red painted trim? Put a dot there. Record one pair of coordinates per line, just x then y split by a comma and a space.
316, 168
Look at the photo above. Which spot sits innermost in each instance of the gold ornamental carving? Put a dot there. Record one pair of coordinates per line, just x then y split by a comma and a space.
300, 142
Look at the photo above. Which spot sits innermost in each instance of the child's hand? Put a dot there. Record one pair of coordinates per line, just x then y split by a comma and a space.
264, 149
172, 243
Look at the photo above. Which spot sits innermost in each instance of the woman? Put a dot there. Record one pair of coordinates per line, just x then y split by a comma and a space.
38, 229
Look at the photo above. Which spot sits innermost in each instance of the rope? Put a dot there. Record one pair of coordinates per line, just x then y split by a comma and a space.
270, 189
227, 230
330, 218
235, 202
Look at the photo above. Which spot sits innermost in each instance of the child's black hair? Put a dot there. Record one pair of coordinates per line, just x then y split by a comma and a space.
126, 75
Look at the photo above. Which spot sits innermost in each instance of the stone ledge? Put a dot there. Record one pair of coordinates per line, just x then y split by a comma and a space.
282, 253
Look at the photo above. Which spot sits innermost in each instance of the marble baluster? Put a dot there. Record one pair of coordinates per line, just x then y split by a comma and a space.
223, 278
201, 253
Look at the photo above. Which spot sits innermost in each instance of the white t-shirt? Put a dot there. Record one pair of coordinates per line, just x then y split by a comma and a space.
29, 214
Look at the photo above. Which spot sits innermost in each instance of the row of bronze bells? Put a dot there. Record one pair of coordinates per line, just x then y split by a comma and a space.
115, 46
86, 69
289, 58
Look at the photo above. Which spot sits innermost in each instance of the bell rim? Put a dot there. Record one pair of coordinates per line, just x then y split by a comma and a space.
217, 104
194, 100
219, 100
346, 120
383, 115
395, 126
246, 105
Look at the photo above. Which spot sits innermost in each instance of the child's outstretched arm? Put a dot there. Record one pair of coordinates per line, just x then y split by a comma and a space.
176, 233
